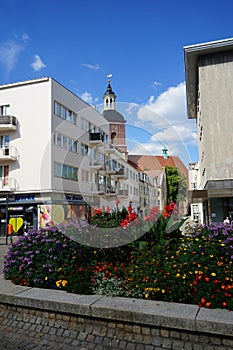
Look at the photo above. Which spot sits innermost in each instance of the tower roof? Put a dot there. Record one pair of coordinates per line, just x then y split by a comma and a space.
109, 91
113, 116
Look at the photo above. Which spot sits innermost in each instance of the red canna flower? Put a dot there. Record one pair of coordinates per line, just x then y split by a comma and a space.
98, 211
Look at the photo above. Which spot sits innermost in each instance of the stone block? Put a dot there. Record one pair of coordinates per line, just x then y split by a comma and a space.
215, 321
147, 312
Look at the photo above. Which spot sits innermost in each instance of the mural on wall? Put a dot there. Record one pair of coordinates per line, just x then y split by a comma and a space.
56, 214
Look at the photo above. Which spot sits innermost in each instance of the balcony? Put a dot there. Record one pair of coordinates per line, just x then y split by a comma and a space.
110, 191
120, 174
8, 123
95, 165
8, 154
123, 193
97, 189
108, 170
7, 184
109, 148
96, 138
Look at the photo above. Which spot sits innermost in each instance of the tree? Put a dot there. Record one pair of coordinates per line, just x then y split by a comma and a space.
176, 185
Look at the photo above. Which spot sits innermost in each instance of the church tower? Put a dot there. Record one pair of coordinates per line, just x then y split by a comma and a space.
115, 119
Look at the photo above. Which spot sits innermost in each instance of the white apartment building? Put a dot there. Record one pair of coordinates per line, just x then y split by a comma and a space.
56, 160
209, 74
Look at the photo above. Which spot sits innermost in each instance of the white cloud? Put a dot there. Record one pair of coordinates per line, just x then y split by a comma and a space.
131, 108
37, 64
87, 97
166, 120
9, 52
175, 134
149, 148
155, 84
169, 106
25, 37
91, 66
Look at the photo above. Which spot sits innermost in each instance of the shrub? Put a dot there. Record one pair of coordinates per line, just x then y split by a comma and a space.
161, 264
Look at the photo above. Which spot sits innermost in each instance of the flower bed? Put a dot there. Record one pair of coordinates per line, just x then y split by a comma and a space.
162, 264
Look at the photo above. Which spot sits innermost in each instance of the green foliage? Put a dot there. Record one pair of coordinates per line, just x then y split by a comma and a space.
176, 185
161, 265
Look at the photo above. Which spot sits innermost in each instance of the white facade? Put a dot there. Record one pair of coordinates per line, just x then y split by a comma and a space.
54, 148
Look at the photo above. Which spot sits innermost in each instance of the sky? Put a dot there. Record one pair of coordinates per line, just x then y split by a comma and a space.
140, 43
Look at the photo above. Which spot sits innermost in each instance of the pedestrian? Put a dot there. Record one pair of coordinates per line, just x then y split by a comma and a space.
226, 221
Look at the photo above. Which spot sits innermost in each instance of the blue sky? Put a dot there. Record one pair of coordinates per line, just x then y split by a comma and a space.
79, 42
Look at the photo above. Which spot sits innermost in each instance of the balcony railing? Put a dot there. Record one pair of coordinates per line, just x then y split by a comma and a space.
96, 138
123, 193
98, 188
110, 191
109, 148
8, 184
8, 153
108, 170
95, 164
8, 122
120, 173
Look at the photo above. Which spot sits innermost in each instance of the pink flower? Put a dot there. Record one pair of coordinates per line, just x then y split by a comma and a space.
107, 209
117, 200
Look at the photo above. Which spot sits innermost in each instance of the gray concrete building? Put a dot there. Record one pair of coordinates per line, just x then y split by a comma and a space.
209, 75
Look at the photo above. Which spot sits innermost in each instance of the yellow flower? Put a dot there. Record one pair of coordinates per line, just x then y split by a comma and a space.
146, 296
177, 275
61, 283
46, 278
213, 274
58, 283
163, 291
211, 256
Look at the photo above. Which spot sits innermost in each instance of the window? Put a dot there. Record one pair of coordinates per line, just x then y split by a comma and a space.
84, 149
57, 169
113, 138
5, 110
65, 171
65, 113
65, 142
4, 141
85, 124
4, 175
193, 186
74, 147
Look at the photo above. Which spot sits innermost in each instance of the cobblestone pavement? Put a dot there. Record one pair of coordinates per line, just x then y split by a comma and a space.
9, 340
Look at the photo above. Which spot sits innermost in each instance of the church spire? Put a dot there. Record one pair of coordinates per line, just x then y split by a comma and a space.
109, 96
